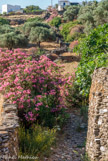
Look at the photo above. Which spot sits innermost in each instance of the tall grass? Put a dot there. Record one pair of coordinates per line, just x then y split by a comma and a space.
35, 141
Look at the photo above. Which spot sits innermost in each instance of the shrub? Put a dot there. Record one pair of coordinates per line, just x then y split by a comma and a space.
73, 45
93, 50
34, 19
37, 87
3, 21
4, 13
56, 22
65, 32
94, 54
36, 141
40, 52
75, 36
12, 13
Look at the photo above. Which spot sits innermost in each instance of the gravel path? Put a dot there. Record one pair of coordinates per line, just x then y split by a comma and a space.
71, 141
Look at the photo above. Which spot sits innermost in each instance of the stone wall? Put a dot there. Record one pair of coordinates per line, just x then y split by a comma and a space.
8, 132
97, 136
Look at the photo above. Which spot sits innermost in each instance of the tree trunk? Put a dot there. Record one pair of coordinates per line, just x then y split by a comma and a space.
10, 48
38, 44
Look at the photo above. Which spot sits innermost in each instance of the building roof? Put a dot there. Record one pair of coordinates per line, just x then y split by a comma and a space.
64, 1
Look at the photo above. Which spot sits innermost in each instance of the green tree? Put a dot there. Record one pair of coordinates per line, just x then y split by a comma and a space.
101, 13
92, 14
56, 6
3, 21
71, 13
41, 34
28, 26
12, 40
32, 9
6, 29
86, 16
56, 22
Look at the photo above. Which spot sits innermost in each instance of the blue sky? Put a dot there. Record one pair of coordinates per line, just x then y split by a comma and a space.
42, 3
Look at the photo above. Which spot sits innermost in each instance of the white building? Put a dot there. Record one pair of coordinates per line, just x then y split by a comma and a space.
62, 4
10, 8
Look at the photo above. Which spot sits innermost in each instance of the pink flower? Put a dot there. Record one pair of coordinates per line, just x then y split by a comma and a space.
39, 96
31, 84
39, 104
37, 109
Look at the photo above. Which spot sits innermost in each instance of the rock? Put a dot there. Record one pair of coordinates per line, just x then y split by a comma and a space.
0, 140
69, 141
8, 131
59, 51
53, 57
97, 137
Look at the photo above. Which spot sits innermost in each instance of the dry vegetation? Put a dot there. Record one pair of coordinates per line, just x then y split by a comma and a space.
24, 16
70, 63
49, 45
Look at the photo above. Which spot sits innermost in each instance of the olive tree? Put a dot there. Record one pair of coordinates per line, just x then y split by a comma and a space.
93, 14
86, 16
41, 34
28, 26
71, 13
6, 29
13, 40
101, 13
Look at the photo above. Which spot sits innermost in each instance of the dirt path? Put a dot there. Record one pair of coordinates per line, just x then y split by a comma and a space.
71, 142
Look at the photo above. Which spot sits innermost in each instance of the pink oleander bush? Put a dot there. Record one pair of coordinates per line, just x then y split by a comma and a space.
37, 87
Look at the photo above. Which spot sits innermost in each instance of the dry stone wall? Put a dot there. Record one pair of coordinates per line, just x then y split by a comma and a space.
8, 132
97, 136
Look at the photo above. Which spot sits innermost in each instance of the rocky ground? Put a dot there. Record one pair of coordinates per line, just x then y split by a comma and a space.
70, 144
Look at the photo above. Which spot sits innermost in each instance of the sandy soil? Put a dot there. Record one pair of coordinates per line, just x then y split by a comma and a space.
49, 45
70, 62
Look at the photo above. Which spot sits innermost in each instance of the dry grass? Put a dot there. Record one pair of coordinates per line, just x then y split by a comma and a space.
69, 66
49, 45
24, 16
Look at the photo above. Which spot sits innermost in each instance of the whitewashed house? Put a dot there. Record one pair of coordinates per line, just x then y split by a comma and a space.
62, 4
10, 8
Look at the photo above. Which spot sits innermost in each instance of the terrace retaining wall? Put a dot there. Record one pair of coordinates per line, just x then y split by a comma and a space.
97, 136
8, 131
